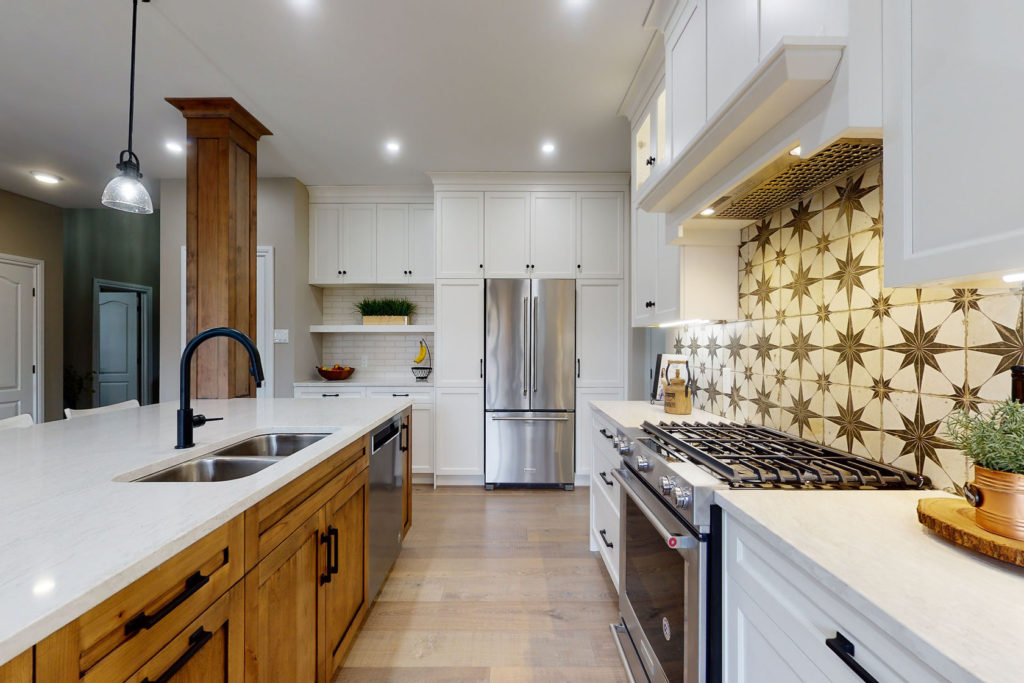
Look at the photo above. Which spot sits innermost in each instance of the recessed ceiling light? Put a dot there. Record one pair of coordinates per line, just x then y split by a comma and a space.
548, 147
795, 151
707, 212
393, 146
174, 147
47, 178
1014, 277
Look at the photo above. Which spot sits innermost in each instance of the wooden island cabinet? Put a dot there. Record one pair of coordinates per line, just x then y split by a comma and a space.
277, 593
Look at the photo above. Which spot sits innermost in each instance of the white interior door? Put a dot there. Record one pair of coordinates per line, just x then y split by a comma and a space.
117, 377
17, 341
265, 317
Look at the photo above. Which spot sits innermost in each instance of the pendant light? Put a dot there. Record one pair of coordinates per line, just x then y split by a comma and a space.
126, 191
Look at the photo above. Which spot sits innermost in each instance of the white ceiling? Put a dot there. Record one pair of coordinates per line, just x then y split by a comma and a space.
466, 85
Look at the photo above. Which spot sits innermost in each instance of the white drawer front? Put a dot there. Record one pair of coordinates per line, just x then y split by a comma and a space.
417, 394
606, 519
602, 480
330, 392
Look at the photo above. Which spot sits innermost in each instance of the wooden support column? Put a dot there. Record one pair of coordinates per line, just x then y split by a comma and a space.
220, 239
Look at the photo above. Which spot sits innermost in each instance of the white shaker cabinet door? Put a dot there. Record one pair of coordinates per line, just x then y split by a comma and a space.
585, 425
686, 75
325, 244
732, 47
645, 266
600, 333
460, 234
459, 346
359, 243
459, 431
421, 243
599, 234
553, 234
507, 234
392, 242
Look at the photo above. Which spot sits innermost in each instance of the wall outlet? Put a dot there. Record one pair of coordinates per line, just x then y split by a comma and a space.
364, 361
280, 336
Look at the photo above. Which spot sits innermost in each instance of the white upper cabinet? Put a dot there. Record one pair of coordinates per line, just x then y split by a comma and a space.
600, 333
553, 234
732, 53
392, 242
459, 318
325, 244
507, 234
421, 243
645, 266
600, 234
650, 139
358, 243
686, 76
781, 18
460, 234
953, 140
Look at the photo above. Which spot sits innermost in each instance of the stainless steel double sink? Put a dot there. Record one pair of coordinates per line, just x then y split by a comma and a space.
237, 460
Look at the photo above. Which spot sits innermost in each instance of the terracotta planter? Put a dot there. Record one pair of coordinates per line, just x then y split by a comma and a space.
385, 320
999, 499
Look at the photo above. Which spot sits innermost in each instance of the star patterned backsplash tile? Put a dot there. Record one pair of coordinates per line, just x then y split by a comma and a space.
823, 351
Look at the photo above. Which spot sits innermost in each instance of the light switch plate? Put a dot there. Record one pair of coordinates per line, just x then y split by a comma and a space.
280, 336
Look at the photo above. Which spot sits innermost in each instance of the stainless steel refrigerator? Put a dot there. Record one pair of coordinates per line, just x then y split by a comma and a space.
529, 382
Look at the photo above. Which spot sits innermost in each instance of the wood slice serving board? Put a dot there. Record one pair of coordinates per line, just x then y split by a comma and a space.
953, 519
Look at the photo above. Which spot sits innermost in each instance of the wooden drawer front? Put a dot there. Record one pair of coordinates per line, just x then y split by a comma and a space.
18, 670
346, 598
210, 649
418, 395
606, 518
131, 627
274, 518
808, 613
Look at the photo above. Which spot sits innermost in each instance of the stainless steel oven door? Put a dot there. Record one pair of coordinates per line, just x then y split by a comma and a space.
662, 585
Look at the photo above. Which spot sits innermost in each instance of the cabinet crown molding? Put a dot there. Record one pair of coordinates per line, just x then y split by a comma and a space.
371, 194
649, 75
525, 181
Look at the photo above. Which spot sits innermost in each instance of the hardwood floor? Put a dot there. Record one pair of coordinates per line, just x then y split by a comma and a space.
495, 586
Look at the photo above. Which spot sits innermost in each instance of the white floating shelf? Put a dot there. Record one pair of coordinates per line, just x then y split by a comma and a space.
373, 329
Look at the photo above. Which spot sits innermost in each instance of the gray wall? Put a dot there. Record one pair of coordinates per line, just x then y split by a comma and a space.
282, 222
108, 245
34, 230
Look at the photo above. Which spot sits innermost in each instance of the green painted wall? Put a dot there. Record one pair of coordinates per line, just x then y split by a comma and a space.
108, 245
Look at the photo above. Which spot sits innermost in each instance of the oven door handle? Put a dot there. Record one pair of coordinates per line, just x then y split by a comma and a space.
646, 502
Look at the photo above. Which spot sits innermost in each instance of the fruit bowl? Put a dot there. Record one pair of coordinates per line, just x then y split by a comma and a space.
335, 373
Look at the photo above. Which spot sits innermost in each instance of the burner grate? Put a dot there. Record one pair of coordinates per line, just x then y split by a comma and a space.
754, 456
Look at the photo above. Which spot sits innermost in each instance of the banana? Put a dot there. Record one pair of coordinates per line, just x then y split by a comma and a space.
422, 354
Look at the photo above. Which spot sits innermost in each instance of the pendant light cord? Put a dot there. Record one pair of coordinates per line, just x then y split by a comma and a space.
131, 88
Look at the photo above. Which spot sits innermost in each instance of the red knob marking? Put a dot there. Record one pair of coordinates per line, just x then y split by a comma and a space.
671, 543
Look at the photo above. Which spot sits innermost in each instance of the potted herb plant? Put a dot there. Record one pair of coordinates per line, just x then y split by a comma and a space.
994, 442
386, 311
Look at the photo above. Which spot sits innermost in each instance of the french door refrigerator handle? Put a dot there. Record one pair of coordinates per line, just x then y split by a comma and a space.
526, 342
530, 419
533, 350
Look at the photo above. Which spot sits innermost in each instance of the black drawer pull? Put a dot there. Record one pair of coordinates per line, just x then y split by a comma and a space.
196, 642
605, 539
397, 395
844, 650
144, 621
331, 395
325, 539
605, 479
333, 533
403, 447
605, 434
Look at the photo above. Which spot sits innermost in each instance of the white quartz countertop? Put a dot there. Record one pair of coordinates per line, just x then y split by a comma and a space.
74, 530
959, 611
410, 382
633, 413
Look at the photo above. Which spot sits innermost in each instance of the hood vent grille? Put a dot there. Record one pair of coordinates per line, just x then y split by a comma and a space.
759, 196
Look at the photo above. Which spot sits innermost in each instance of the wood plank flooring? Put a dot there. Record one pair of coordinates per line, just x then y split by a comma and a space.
497, 586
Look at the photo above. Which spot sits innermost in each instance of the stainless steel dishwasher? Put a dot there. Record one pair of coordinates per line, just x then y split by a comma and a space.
385, 522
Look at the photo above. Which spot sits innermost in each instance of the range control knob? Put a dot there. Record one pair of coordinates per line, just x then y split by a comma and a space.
643, 464
625, 446
667, 484
682, 497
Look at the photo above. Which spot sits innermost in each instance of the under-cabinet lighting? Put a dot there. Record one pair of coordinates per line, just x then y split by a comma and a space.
708, 212
548, 147
795, 151
174, 147
1014, 277
680, 323
47, 178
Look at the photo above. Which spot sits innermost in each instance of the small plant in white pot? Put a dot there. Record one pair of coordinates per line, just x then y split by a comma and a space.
386, 311
994, 442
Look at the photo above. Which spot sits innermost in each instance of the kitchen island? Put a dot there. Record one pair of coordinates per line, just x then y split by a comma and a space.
77, 530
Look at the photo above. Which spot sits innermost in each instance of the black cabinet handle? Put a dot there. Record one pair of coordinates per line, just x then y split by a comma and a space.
405, 430
605, 539
481, 368
605, 434
579, 266
339, 272
844, 650
333, 533
396, 396
577, 368
196, 642
325, 539
145, 621
344, 272
605, 479
330, 395
481, 266
650, 161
